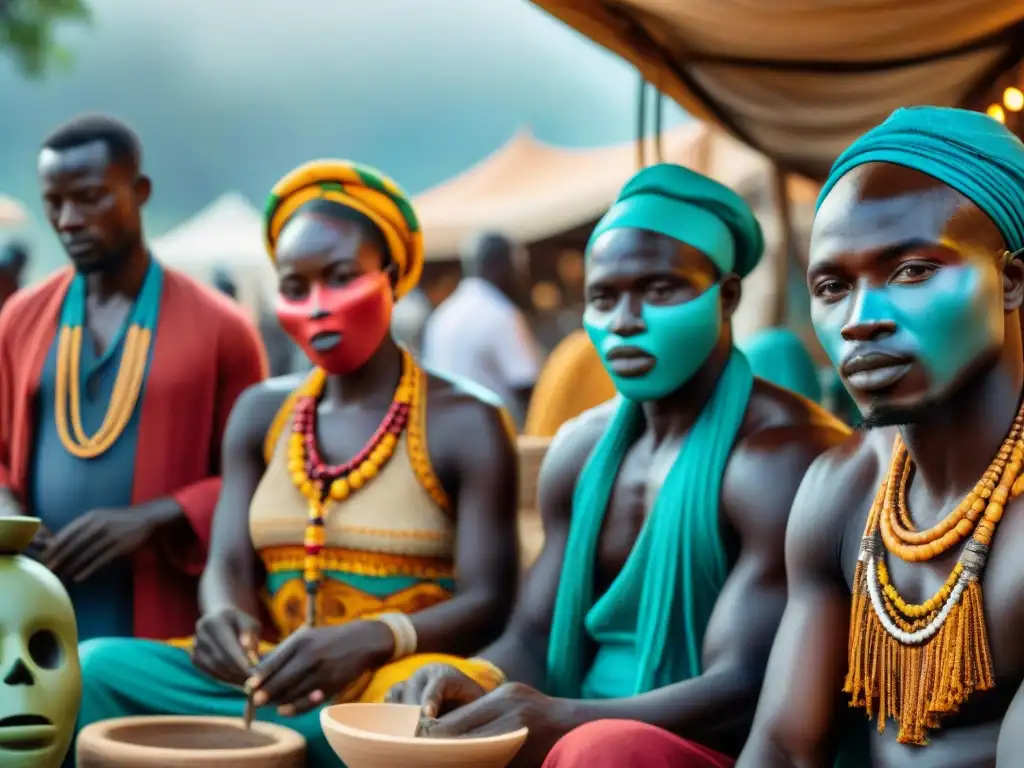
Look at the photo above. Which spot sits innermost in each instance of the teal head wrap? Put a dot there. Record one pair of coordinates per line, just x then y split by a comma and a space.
681, 204
780, 356
972, 153
693, 209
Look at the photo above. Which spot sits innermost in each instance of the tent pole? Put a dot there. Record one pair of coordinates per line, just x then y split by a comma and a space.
780, 277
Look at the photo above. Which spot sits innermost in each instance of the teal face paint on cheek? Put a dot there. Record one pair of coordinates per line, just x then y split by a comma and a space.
680, 337
954, 318
945, 322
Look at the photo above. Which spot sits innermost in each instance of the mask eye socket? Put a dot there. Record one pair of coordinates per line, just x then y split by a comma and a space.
45, 649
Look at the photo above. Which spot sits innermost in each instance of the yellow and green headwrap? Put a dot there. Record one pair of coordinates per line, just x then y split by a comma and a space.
362, 189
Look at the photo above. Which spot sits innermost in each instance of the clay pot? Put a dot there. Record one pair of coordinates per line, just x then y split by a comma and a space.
383, 736
40, 676
185, 742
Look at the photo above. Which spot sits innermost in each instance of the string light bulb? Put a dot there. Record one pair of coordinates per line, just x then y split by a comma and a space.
1013, 99
995, 111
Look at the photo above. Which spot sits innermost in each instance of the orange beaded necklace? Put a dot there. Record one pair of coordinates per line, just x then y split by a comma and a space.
322, 484
916, 663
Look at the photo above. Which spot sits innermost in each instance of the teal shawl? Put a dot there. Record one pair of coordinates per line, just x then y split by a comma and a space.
686, 564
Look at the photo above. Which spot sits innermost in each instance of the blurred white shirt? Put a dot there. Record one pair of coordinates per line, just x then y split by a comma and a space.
409, 319
479, 334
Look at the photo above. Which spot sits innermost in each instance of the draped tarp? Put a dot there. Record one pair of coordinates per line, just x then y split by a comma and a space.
800, 79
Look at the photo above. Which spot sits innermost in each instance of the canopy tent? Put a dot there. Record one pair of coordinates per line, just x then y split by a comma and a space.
800, 79
531, 190
227, 235
12, 213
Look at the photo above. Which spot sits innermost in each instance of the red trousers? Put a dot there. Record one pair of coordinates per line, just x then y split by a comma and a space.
627, 744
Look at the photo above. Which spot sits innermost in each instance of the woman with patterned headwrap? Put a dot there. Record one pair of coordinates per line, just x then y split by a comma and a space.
377, 540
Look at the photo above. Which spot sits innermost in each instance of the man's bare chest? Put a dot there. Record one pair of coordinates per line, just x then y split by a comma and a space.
634, 494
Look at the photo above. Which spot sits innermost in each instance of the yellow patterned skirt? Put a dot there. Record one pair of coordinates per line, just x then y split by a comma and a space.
360, 585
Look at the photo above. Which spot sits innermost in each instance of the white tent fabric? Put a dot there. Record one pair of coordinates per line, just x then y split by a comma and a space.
800, 79
225, 235
12, 213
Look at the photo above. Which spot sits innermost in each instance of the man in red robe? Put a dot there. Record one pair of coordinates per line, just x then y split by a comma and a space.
116, 380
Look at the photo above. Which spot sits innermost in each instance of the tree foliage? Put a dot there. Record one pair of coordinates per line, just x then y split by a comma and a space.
27, 31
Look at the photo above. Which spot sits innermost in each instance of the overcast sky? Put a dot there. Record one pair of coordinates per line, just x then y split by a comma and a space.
230, 94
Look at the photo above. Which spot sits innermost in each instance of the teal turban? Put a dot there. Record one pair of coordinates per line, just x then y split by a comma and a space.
968, 151
778, 355
682, 204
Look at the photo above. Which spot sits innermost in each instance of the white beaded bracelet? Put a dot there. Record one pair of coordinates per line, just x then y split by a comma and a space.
404, 632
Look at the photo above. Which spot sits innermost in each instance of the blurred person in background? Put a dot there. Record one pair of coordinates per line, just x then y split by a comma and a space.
479, 333
225, 283
117, 378
410, 318
13, 260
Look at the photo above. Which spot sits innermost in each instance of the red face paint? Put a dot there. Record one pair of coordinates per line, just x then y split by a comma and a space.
340, 328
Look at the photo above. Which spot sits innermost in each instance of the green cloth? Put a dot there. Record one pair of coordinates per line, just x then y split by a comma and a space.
125, 677
968, 151
779, 356
682, 204
676, 570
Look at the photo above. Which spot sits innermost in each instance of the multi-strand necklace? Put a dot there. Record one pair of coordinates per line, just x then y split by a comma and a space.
131, 374
323, 484
916, 663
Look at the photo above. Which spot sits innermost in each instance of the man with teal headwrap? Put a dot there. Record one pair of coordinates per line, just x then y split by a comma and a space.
916, 287
661, 581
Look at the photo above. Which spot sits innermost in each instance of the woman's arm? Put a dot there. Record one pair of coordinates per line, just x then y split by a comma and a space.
231, 578
472, 447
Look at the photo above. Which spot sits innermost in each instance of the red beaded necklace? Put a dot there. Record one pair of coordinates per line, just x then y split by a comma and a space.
323, 483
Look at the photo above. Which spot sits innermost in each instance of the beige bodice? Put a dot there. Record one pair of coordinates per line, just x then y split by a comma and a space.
392, 514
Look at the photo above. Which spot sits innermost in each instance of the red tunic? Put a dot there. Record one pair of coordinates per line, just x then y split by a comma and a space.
205, 353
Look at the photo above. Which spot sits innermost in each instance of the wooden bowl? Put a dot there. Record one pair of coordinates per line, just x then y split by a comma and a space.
383, 736
185, 742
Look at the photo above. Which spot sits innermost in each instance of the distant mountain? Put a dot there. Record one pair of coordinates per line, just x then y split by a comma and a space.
227, 99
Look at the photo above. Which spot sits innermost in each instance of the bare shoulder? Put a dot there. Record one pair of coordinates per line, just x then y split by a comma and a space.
839, 481
567, 455
458, 404
781, 437
832, 503
256, 407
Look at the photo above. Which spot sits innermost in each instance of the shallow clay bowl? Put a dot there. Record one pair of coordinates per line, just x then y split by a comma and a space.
185, 742
383, 736
17, 531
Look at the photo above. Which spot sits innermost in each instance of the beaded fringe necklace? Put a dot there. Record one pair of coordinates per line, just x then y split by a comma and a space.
916, 663
322, 484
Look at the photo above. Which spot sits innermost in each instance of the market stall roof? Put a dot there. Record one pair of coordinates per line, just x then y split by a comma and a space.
800, 79
531, 190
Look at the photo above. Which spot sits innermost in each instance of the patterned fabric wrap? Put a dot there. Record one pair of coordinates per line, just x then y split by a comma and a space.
362, 189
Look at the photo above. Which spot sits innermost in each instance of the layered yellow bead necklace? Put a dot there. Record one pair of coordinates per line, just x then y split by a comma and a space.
917, 663
322, 484
130, 375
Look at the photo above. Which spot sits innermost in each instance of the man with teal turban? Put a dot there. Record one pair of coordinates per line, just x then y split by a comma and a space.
661, 581
916, 287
